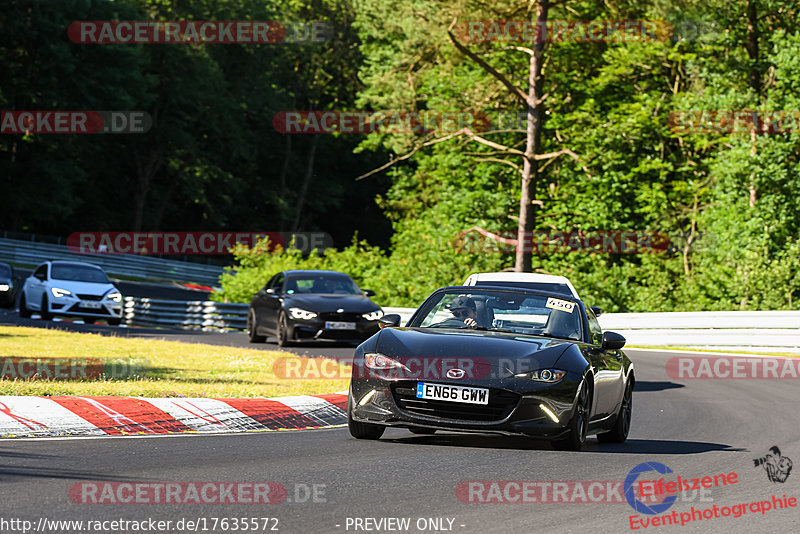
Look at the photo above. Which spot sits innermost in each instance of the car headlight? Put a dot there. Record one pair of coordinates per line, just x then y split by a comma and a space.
374, 360
58, 292
373, 315
299, 313
543, 375
4, 287
116, 296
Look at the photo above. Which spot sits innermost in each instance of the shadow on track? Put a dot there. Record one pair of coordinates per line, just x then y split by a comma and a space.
656, 386
631, 446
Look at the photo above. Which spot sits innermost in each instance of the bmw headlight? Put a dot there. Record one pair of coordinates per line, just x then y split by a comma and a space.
116, 296
299, 313
4, 287
374, 360
58, 292
549, 376
373, 315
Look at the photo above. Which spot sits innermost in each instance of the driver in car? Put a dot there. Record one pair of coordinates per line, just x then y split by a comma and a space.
463, 308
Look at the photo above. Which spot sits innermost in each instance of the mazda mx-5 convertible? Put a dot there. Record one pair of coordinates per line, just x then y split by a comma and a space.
499, 360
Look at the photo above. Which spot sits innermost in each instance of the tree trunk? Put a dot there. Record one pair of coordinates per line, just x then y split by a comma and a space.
144, 174
754, 80
530, 169
306, 180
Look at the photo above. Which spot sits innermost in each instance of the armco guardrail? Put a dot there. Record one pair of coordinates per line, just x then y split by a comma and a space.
769, 331
32, 253
774, 331
196, 314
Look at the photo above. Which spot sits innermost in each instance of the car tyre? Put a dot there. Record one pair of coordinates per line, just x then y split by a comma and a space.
44, 314
579, 423
24, 312
619, 432
283, 331
113, 322
423, 431
363, 430
251, 329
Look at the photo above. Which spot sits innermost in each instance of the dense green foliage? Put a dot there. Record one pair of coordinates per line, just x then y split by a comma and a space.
728, 200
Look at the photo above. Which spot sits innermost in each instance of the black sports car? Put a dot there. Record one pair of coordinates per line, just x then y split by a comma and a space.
7, 292
311, 305
501, 360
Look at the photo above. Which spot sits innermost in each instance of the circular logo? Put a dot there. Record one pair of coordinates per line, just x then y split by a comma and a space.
630, 484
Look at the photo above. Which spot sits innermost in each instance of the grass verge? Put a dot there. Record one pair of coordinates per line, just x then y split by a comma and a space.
150, 368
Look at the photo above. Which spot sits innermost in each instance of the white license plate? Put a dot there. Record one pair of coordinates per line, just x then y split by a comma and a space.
447, 392
339, 325
90, 304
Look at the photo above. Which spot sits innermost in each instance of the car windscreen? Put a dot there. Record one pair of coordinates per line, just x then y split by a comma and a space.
509, 311
321, 284
78, 273
561, 289
5, 271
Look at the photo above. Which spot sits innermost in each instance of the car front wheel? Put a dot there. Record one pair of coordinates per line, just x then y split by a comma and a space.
251, 329
619, 432
44, 313
579, 423
363, 430
23, 306
283, 331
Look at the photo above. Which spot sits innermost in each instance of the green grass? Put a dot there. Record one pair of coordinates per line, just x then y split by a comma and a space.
160, 368
696, 349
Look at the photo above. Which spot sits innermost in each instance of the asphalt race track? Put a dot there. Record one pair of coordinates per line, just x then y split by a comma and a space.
697, 428
10, 317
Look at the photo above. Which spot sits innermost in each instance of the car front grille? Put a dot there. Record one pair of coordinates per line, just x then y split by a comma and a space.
501, 404
333, 316
90, 297
77, 308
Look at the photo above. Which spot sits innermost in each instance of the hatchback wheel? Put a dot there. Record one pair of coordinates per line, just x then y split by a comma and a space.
44, 313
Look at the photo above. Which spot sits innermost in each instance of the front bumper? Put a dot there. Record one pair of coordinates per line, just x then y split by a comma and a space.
74, 307
514, 408
300, 329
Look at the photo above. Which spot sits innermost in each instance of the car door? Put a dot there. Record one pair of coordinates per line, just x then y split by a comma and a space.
607, 366
272, 302
36, 286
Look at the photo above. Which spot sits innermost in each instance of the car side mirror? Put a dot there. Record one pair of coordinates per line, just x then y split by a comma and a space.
392, 319
39, 277
613, 341
597, 310
369, 293
272, 291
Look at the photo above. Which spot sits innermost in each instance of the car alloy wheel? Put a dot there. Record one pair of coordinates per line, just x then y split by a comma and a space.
579, 423
251, 329
44, 313
23, 307
619, 432
283, 331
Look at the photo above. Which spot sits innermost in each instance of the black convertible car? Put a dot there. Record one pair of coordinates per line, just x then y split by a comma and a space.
500, 360
312, 305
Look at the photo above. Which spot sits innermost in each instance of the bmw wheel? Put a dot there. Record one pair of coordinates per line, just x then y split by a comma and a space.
283, 331
251, 329
23, 307
579, 423
44, 313
619, 432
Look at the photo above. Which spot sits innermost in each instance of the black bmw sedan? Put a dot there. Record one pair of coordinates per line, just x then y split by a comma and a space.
312, 305
502, 360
